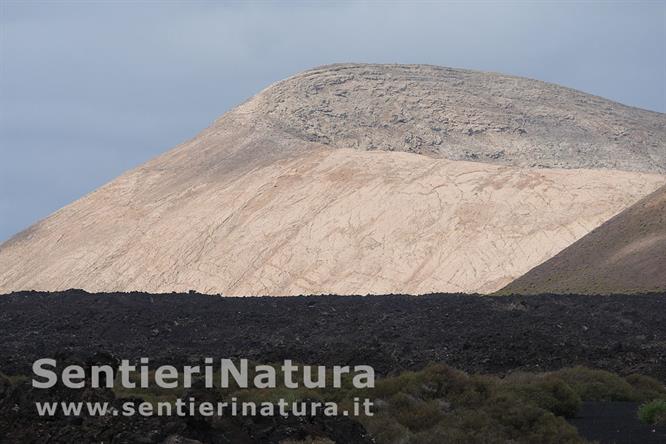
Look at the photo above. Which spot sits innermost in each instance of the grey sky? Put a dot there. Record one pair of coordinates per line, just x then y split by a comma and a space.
89, 90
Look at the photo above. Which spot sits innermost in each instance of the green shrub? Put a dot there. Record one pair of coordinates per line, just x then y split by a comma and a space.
597, 385
435, 382
384, 429
14, 379
549, 393
442, 405
413, 413
551, 429
387, 387
524, 422
646, 388
653, 412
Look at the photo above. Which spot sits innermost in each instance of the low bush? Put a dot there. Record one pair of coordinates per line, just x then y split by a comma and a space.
653, 412
413, 413
646, 388
439, 404
549, 393
597, 385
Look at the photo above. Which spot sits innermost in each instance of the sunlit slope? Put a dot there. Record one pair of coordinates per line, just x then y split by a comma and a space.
330, 221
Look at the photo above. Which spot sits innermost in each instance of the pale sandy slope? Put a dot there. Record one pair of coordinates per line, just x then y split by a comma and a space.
353, 179
340, 221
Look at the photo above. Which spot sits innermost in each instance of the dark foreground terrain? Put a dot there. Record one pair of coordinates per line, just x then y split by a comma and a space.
623, 334
500, 336
615, 422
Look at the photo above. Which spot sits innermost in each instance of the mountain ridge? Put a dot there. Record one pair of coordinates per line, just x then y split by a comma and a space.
204, 215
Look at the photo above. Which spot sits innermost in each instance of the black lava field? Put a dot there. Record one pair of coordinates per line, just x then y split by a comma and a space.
481, 334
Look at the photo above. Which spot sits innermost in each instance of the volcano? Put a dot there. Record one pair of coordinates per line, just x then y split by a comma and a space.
357, 179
